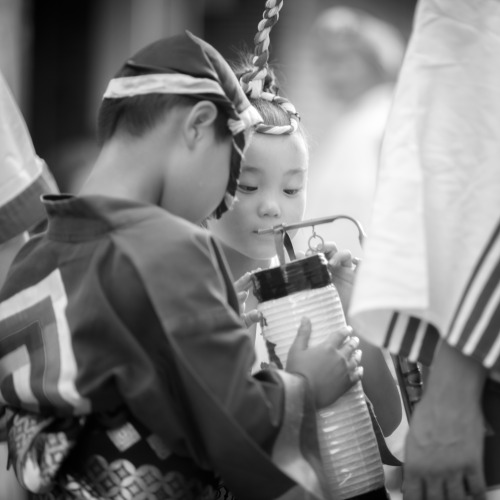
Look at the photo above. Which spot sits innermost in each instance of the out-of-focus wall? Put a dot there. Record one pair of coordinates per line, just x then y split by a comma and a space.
121, 27
59, 55
15, 33
77, 47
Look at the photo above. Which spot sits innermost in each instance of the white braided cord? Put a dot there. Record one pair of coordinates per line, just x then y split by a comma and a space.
253, 81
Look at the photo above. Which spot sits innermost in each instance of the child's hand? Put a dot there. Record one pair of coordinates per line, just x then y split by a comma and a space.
331, 367
251, 317
336, 257
242, 287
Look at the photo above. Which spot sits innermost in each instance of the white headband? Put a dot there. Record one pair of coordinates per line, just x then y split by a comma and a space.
167, 83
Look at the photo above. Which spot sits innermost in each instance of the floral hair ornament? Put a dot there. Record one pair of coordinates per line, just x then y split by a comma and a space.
252, 82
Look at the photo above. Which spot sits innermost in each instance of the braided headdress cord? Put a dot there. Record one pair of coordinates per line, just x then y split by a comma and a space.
253, 81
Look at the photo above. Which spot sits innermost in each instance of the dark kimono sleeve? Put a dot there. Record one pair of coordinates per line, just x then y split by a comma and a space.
257, 431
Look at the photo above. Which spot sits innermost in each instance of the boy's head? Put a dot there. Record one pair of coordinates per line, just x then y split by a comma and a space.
175, 73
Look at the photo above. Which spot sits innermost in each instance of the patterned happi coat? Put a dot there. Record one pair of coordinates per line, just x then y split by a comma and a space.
125, 368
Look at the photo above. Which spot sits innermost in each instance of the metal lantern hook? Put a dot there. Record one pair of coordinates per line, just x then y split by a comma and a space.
282, 240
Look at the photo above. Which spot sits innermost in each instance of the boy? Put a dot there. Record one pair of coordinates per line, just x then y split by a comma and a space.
124, 359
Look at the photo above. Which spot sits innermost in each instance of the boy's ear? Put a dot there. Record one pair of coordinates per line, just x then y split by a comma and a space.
199, 120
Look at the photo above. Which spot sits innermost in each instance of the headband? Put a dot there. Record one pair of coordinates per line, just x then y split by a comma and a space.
176, 83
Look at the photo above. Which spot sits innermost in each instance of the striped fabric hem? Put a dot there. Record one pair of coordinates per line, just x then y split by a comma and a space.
25, 210
411, 337
475, 328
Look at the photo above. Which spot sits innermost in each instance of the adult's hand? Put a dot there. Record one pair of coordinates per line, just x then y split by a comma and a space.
444, 447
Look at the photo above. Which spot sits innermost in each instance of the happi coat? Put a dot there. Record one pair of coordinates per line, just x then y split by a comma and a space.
125, 367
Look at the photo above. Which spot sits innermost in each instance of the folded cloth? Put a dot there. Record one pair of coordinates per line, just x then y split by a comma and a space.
432, 260
431, 267
24, 177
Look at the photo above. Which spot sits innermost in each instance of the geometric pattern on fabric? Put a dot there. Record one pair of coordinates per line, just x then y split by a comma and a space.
121, 480
37, 363
124, 437
37, 455
56, 448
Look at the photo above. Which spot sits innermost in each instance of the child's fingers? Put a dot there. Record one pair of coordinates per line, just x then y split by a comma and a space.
242, 284
349, 346
303, 334
356, 375
355, 359
242, 297
353, 363
245, 282
252, 317
340, 336
342, 258
329, 249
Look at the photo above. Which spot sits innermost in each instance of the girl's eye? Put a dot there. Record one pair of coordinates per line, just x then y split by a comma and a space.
291, 192
246, 189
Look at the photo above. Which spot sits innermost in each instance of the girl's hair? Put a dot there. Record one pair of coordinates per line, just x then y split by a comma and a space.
138, 114
271, 112
258, 81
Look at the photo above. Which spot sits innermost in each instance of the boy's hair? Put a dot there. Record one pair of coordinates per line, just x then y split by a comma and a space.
271, 112
139, 114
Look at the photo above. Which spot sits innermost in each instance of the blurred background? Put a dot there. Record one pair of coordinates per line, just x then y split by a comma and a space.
57, 57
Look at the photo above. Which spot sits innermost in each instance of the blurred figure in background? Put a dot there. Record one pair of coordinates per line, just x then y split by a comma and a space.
357, 57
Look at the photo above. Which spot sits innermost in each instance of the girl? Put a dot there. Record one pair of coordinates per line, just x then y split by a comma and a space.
272, 191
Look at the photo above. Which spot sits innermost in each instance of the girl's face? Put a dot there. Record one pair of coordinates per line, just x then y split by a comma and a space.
272, 190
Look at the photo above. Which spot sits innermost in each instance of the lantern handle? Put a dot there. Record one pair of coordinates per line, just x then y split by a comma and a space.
281, 237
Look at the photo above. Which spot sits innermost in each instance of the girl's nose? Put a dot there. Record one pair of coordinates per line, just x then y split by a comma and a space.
269, 208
